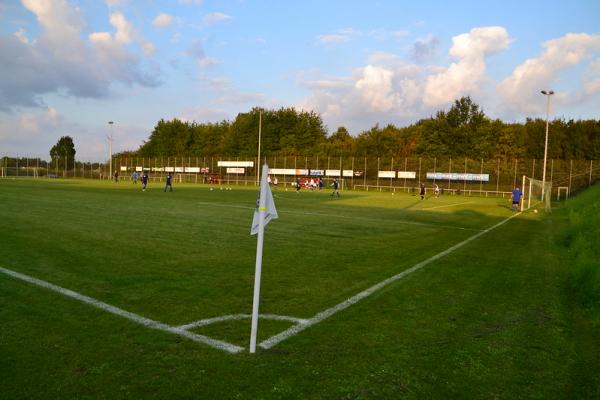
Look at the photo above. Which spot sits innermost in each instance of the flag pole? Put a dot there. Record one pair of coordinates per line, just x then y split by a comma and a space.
259, 251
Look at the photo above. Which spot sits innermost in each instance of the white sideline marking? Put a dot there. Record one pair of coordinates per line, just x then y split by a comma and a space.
448, 205
395, 221
294, 330
208, 321
149, 323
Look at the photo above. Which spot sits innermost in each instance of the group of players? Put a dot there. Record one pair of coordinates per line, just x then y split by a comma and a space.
144, 179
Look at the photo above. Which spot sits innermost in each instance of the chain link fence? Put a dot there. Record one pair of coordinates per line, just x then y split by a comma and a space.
451, 175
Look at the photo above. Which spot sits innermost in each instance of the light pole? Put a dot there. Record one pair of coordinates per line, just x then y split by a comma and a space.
547, 94
258, 159
110, 140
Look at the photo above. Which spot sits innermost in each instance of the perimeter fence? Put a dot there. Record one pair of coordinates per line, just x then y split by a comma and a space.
452, 175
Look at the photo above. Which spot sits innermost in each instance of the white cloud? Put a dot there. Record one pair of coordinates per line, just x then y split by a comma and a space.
375, 87
216, 17
126, 33
520, 91
592, 84
20, 34
465, 76
61, 60
334, 38
163, 21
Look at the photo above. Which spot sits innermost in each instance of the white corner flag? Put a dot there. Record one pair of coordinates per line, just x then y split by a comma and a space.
262, 215
268, 206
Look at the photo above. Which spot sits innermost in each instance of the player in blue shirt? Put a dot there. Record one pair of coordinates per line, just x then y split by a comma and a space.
516, 199
169, 184
144, 180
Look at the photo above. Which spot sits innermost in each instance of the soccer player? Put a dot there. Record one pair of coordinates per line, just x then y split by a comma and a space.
168, 184
422, 191
134, 176
516, 199
436, 190
336, 186
298, 185
144, 180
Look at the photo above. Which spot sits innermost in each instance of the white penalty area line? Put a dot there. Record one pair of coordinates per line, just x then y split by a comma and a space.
149, 323
294, 330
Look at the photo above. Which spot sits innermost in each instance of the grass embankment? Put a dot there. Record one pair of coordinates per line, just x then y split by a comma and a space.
580, 239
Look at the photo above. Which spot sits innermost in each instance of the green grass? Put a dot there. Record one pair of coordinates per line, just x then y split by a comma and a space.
494, 319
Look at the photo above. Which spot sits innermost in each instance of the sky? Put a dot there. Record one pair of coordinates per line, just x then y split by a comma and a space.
68, 67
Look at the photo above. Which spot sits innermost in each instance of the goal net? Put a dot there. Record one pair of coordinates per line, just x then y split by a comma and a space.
536, 193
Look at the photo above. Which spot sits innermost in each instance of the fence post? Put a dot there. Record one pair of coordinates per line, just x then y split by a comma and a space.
570, 175
591, 165
449, 171
378, 173
420, 172
365, 174
481, 180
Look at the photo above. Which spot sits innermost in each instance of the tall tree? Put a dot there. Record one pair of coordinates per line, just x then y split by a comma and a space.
63, 153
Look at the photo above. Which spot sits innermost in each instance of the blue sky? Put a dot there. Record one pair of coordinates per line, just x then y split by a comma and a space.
68, 67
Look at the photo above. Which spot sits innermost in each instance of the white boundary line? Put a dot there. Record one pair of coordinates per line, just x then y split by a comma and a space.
208, 321
294, 330
149, 323
448, 205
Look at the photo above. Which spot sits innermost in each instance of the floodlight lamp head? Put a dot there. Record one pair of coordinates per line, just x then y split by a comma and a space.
110, 122
548, 93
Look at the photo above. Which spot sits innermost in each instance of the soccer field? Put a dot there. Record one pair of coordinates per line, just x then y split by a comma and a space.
185, 262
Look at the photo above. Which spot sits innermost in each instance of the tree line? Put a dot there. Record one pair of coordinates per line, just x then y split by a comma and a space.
462, 131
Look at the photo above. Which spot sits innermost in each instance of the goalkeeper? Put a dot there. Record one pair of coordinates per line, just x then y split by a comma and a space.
516, 199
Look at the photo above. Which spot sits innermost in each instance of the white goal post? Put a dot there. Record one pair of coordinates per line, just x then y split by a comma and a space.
535, 192
561, 188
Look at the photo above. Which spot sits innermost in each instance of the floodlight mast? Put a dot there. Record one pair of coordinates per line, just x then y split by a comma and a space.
258, 157
110, 140
547, 94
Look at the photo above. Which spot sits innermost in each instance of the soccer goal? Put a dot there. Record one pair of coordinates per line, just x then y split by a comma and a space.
535, 192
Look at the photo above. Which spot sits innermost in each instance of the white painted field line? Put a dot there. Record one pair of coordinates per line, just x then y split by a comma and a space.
294, 330
448, 205
208, 321
149, 323
395, 221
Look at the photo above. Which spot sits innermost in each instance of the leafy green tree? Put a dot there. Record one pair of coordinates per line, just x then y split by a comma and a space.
63, 153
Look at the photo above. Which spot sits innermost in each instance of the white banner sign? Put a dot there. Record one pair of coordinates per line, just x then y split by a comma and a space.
453, 176
248, 164
167, 169
236, 170
192, 169
332, 172
386, 174
282, 171
316, 172
348, 172
407, 174
123, 168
